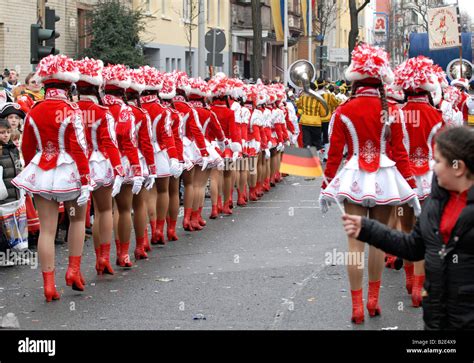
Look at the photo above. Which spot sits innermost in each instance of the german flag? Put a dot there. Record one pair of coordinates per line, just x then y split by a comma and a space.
301, 162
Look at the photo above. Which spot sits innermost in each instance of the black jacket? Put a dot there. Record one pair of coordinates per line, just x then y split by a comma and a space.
9, 159
449, 268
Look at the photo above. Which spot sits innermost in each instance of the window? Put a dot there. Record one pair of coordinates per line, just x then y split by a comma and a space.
187, 10
163, 7
84, 35
168, 68
179, 64
189, 60
173, 64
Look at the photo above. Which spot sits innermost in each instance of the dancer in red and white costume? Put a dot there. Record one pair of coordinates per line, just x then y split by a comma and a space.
452, 116
165, 153
220, 90
116, 81
370, 182
463, 85
54, 148
147, 161
194, 145
167, 93
104, 158
418, 79
197, 93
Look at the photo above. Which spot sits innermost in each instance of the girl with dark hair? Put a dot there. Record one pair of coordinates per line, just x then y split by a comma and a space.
421, 121
442, 235
370, 182
104, 159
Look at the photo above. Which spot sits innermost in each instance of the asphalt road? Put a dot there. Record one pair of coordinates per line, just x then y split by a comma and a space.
262, 268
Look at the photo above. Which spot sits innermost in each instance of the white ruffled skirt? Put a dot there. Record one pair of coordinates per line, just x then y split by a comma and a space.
162, 162
386, 186
191, 154
101, 171
63, 183
423, 185
128, 170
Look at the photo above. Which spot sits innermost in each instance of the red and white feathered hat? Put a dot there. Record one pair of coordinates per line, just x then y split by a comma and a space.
137, 80
197, 87
452, 95
394, 93
153, 78
272, 94
55, 68
235, 88
369, 62
441, 76
261, 93
463, 82
219, 85
416, 74
116, 76
90, 71
181, 80
168, 90
280, 91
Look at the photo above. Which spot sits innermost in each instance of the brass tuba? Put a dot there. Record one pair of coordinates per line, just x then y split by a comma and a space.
301, 74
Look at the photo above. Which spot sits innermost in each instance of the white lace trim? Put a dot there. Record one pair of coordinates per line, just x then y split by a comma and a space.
352, 133
95, 126
36, 132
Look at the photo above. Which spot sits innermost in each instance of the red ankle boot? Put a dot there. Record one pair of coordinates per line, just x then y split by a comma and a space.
159, 237
187, 219
277, 177
241, 199
231, 202
153, 231
266, 185
357, 307
253, 194
373, 298
97, 258
104, 260
147, 246
202, 222
219, 204
272, 181
50, 292
140, 253
195, 221
214, 212
259, 190
416, 297
124, 257
73, 274
117, 249
171, 229
246, 197
409, 273
227, 210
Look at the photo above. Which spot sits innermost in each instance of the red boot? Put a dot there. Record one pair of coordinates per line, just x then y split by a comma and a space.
219, 204
266, 185
202, 222
147, 246
117, 249
272, 181
187, 219
409, 273
227, 210
231, 202
393, 262
73, 274
253, 194
259, 190
50, 292
373, 298
140, 253
416, 297
277, 177
124, 257
246, 196
195, 221
241, 199
104, 260
97, 258
159, 237
153, 231
357, 307
171, 231
214, 212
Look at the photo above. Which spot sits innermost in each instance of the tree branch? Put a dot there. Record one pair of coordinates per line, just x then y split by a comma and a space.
367, 2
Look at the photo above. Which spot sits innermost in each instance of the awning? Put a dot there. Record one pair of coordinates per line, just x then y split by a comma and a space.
248, 33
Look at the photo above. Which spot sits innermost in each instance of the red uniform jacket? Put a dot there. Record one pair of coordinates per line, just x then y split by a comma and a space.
161, 128
143, 127
358, 124
125, 130
100, 132
422, 122
52, 125
192, 127
226, 118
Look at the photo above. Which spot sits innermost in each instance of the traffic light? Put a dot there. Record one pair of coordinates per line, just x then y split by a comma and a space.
40, 35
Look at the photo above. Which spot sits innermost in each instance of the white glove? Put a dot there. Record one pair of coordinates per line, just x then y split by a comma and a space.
206, 160
269, 145
150, 181
267, 154
117, 185
235, 147
222, 144
324, 205
137, 184
84, 196
235, 156
294, 139
280, 146
187, 164
176, 168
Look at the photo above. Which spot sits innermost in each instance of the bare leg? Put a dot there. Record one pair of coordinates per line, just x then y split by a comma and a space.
163, 200
103, 222
48, 217
77, 227
173, 209
381, 213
